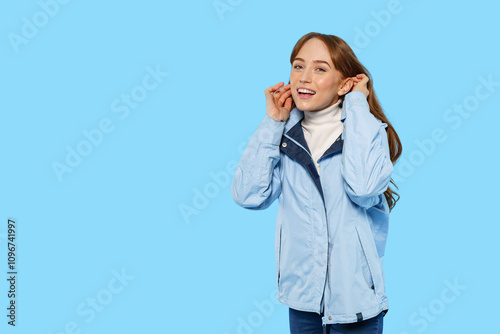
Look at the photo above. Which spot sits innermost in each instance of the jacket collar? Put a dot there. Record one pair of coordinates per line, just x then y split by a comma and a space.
296, 116
293, 130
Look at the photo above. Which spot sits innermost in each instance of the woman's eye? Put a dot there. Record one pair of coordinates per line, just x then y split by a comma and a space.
321, 69
297, 67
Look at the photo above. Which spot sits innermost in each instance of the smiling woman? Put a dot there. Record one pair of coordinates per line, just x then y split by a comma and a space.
326, 150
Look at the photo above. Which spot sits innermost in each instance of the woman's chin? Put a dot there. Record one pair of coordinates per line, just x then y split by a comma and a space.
304, 106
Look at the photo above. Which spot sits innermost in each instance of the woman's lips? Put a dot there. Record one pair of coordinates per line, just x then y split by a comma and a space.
306, 93
305, 96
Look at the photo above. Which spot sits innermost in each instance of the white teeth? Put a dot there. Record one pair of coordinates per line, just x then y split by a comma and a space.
307, 91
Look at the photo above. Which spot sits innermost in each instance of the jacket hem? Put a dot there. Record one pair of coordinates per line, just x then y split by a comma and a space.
351, 318
310, 307
335, 318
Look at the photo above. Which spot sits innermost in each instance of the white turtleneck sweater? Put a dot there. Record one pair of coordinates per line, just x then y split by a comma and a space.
321, 128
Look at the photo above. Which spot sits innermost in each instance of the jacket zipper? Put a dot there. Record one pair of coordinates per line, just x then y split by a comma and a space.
326, 222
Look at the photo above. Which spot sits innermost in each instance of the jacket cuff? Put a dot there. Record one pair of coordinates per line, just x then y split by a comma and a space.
353, 98
271, 130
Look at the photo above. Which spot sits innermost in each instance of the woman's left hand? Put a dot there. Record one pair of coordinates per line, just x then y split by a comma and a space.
361, 84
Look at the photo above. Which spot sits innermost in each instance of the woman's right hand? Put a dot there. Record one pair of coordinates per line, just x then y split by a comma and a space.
279, 102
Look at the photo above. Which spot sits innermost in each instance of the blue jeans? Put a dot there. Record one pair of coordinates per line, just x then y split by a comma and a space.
310, 323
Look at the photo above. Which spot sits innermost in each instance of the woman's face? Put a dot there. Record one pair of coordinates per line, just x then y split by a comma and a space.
315, 82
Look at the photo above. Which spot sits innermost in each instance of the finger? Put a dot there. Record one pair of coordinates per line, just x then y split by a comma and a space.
274, 88
281, 91
285, 87
288, 103
363, 77
284, 96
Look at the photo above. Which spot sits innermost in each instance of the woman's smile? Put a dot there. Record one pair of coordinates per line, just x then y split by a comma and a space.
305, 93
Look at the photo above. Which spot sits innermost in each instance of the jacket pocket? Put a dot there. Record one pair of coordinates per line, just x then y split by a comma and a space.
367, 260
368, 275
278, 256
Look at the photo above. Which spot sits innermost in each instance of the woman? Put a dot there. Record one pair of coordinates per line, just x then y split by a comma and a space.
326, 150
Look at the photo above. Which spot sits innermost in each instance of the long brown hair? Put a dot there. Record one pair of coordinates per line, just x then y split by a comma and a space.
346, 62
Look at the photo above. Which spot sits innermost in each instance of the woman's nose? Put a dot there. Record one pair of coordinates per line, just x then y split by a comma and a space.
305, 76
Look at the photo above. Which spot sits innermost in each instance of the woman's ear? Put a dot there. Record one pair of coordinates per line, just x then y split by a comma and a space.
346, 86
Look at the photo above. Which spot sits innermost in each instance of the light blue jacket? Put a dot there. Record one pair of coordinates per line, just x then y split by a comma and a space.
331, 229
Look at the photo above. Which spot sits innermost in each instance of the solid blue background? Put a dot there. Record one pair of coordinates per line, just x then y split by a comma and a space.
140, 233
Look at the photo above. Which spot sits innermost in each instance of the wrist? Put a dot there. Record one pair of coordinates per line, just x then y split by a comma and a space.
273, 130
276, 118
357, 94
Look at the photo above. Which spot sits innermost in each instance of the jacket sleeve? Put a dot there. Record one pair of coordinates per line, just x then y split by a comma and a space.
365, 164
256, 180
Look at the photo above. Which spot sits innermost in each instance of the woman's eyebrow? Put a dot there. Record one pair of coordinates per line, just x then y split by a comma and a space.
314, 61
